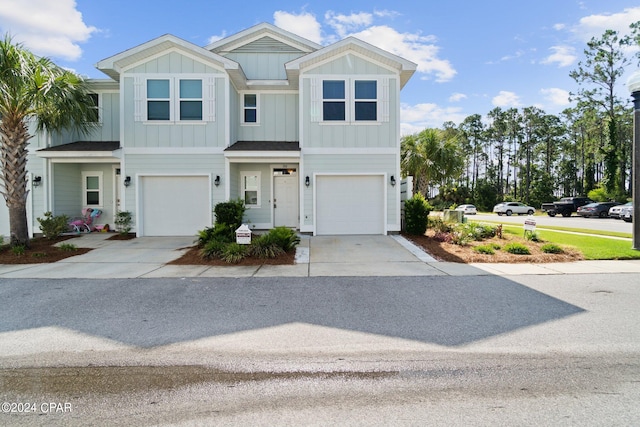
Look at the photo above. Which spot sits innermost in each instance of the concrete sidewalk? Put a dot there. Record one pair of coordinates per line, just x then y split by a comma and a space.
316, 256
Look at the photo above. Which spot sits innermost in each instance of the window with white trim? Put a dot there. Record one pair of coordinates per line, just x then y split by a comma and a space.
250, 108
174, 99
92, 189
350, 100
250, 184
95, 109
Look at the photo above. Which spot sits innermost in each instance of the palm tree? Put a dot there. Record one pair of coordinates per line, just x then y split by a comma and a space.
34, 91
431, 157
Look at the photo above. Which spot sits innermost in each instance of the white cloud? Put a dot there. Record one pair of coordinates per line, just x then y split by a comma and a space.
506, 99
415, 118
595, 25
48, 28
414, 47
345, 24
456, 97
557, 97
564, 56
214, 39
304, 25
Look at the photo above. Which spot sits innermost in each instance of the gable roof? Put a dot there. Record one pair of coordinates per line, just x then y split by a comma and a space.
404, 67
260, 31
114, 65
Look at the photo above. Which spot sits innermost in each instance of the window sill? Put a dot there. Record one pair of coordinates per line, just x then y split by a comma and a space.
174, 122
345, 123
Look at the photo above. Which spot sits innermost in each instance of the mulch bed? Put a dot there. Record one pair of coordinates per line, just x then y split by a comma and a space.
192, 257
449, 252
41, 251
118, 236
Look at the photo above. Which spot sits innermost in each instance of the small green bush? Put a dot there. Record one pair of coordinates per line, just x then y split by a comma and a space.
484, 249
495, 246
123, 222
517, 249
233, 253
39, 254
18, 250
416, 212
212, 249
68, 247
551, 248
438, 225
230, 213
53, 226
533, 236
220, 232
284, 237
265, 247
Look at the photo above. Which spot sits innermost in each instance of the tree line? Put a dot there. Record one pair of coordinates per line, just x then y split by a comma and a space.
528, 155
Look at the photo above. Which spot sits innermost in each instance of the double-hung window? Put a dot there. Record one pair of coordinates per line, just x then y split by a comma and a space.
333, 100
158, 99
190, 99
250, 108
352, 100
251, 188
175, 99
366, 100
92, 189
95, 108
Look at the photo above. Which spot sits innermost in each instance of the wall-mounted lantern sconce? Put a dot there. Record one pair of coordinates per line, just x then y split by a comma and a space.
37, 181
307, 181
393, 181
217, 180
127, 181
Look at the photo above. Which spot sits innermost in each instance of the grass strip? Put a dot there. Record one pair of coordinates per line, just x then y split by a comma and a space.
574, 230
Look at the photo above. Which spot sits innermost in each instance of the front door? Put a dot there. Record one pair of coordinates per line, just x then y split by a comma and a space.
285, 201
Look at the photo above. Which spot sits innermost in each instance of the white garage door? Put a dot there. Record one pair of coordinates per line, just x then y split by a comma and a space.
350, 204
174, 205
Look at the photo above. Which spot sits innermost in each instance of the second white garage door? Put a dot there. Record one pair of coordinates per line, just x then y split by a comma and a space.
174, 205
350, 204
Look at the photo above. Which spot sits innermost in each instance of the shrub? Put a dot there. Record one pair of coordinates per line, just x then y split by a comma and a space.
233, 253
284, 237
53, 226
68, 247
495, 246
461, 237
220, 232
438, 225
265, 247
416, 212
517, 249
551, 248
123, 222
441, 236
212, 249
533, 236
484, 249
39, 254
18, 250
478, 231
230, 213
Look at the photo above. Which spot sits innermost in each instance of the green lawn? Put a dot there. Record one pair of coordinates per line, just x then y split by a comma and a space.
592, 247
576, 230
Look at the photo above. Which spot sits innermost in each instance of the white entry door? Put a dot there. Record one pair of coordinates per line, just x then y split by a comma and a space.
285, 201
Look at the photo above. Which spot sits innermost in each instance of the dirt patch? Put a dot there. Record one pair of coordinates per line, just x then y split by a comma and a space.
118, 236
450, 252
41, 251
193, 257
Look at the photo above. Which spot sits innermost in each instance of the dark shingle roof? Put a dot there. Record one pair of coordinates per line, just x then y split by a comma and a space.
86, 146
264, 146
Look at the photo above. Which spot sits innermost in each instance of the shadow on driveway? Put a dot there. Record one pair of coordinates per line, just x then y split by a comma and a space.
448, 311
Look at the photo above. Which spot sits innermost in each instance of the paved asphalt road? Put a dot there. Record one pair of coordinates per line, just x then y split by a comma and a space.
488, 350
604, 224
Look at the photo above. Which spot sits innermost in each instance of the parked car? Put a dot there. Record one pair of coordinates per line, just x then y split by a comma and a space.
614, 212
467, 209
509, 208
600, 210
565, 206
627, 214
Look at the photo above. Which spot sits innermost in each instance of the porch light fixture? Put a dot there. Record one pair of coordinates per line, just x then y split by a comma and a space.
127, 181
37, 181
307, 181
393, 181
217, 180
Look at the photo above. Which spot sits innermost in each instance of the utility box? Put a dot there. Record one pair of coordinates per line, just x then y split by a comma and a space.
450, 215
243, 235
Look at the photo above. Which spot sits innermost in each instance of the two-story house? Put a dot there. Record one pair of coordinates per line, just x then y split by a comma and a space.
308, 136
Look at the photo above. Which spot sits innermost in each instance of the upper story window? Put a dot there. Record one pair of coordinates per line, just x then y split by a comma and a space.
95, 109
190, 99
250, 108
158, 99
366, 100
174, 99
333, 100
351, 100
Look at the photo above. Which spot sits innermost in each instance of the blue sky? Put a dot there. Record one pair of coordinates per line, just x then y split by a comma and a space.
472, 55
